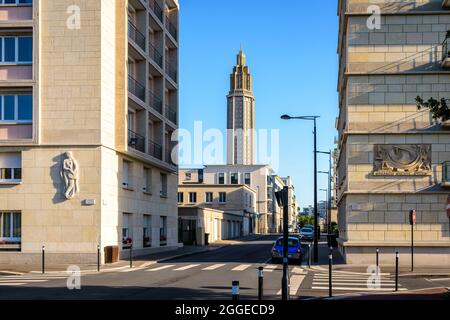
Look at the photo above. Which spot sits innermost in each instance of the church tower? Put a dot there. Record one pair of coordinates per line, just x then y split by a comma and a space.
241, 115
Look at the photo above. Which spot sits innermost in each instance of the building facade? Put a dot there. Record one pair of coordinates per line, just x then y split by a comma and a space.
392, 155
90, 91
241, 115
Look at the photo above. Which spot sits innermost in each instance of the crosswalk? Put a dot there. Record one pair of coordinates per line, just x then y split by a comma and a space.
354, 282
20, 280
215, 267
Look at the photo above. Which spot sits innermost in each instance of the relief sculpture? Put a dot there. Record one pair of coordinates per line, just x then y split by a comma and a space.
402, 159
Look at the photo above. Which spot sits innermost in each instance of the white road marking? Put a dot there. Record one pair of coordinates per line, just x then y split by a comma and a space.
12, 284
439, 279
350, 280
357, 289
27, 280
270, 268
298, 270
186, 267
242, 267
296, 281
161, 268
214, 267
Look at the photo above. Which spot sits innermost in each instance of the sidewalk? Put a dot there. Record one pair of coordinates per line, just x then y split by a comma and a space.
139, 262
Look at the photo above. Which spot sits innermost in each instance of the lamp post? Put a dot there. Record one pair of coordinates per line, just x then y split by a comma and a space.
329, 190
314, 119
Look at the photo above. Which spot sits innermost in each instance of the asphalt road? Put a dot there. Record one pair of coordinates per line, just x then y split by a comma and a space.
206, 276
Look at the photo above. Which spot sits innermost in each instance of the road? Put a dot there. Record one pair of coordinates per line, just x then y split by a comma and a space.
206, 276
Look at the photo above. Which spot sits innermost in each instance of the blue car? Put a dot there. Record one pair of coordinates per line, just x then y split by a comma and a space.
295, 251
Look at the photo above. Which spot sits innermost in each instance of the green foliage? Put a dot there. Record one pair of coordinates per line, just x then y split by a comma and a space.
438, 108
334, 227
304, 220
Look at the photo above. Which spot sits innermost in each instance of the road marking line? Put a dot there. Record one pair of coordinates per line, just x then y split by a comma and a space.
270, 268
242, 267
214, 266
347, 277
186, 267
161, 268
298, 270
440, 279
296, 281
364, 285
351, 280
6, 281
12, 284
357, 289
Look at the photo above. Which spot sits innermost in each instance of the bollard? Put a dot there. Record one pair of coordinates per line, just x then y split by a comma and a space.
396, 270
98, 258
43, 259
309, 255
235, 290
131, 256
378, 261
330, 275
260, 283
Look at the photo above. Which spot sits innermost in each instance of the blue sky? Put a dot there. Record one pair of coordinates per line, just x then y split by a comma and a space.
291, 51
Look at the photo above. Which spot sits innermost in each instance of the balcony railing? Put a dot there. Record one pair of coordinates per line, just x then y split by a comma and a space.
136, 35
157, 9
171, 114
155, 149
171, 27
156, 55
445, 52
136, 88
171, 71
169, 159
155, 102
136, 141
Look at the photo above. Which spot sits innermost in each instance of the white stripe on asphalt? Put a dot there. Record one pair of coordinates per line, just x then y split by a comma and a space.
242, 267
357, 289
346, 277
161, 268
350, 280
214, 267
297, 270
12, 284
186, 267
270, 268
352, 284
31, 278
27, 280
296, 281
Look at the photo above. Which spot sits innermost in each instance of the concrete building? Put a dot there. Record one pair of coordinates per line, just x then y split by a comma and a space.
222, 211
240, 115
391, 155
293, 205
89, 103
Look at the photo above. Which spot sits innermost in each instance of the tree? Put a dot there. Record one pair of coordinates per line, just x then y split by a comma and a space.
304, 220
438, 108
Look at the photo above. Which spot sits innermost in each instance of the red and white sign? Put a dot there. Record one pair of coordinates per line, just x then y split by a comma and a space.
412, 217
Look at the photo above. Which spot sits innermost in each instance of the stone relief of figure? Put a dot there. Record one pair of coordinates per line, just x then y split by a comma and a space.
70, 175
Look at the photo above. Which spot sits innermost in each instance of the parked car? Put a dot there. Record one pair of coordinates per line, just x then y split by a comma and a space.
295, 251
307, 233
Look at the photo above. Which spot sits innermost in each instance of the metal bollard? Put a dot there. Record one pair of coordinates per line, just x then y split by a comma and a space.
330, 275
396, 270
260, 283
98, 258
378, 252
43, 259
309, 255
131, 256
235, 290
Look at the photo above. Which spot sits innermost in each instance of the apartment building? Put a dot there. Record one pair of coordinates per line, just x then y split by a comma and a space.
392, 156
89, 101
292, 201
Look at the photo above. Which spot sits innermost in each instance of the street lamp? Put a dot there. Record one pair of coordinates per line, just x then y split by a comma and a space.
311, 118
329, 191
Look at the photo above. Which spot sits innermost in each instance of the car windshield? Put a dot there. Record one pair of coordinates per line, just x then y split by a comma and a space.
306, 230
291, 242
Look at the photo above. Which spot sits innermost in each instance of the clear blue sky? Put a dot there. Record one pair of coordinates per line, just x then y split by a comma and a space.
291, 51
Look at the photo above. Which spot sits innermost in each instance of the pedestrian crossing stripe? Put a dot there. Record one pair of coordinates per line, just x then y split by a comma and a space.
162, 268
214, 267
187, 267
356, 289
270, 268
12, 284
242, 267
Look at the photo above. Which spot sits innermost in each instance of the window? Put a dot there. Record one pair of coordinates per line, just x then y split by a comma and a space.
221, 178
192, 197
200, 175
147, 188
126, 174
10, 228
147, 231
234, 178
209, 197
180, 197
163, 231
17, 108
188, 176
222, 197
16, 1
10, 168
16, 49
126, 234
247, 178
163, 185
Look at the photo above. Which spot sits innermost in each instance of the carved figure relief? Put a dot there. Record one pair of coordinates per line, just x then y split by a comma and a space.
70, 175
402, 159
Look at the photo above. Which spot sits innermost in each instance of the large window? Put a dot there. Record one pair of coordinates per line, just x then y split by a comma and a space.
17, 108
234, 178
10, 228
10, 168
147, 231
163, 231
147, 188
163, 192
222, 197
16, 49
247, 178
192, 197
126, 174
221, 178
126, 232
16, 1
180, 197
209, 197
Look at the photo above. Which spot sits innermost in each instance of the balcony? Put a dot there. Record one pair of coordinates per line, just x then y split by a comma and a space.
156, 55
171, 114
171, 27
136, 88
156, 9
136, 35
169, 159
171, 71
445, 62
155, 102
155, 149
136, 141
